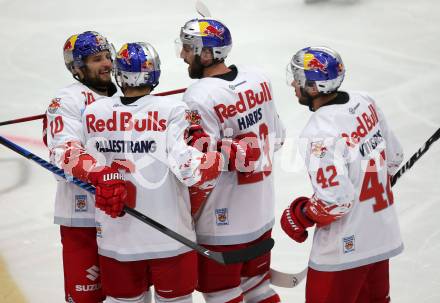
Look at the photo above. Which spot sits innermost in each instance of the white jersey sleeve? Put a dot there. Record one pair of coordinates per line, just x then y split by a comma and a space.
394, 151
73, 205
64, 123
195, 97
184, 160
327, 165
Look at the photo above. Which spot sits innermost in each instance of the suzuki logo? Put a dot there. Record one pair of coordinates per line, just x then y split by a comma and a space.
93, 273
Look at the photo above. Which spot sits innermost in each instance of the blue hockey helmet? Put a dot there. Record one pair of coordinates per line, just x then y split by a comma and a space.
137, 64
319, 65
79, 46
207, 33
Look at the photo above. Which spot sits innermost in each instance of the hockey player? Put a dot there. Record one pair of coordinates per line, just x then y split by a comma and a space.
142, 136
238, 113
350, 153
88, 57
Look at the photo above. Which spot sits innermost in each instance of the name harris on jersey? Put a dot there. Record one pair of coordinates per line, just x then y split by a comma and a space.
247, 101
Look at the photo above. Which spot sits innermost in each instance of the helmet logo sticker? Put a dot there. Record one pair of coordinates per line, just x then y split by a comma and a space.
211, 31
124, 54
70, 43
313, 63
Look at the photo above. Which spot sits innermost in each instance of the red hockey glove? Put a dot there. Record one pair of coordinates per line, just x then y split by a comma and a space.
196, 137
294, 222
239, 153
111, 190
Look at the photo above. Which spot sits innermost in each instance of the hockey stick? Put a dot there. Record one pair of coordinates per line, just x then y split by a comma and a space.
415, 157
287, 280
229, 257
202, 9
24, 119
36, 117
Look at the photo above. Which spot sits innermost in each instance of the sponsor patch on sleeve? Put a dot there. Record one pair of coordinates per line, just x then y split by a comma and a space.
54, 105
318, 149
193, 116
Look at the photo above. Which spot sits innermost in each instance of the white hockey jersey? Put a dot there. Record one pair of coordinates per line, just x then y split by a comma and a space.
241, 206
146, 137
73, 205
350, 151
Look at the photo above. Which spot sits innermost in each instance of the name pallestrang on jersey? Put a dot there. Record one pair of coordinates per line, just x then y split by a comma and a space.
122, 146
248, 100
124, 121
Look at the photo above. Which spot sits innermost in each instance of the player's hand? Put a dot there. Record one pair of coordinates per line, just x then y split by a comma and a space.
239, 153
196, 137
111, 190
294, 222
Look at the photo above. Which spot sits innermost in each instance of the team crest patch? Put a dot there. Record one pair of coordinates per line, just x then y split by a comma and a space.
318, 149
221, 216
348, 243
98, 230
54, 105
80, 203
193, 116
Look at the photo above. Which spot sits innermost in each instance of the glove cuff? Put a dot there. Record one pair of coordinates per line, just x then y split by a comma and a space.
297, 207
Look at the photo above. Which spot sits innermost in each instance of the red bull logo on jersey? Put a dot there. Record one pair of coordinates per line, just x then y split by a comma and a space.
207, 29
124, 121
247, 100
365, 123
312, 63
54, 105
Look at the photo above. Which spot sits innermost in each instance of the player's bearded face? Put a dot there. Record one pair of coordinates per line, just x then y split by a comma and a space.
97, 72
195, 68
303, 100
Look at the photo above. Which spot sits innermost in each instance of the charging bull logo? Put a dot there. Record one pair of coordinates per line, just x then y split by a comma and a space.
124, 54
313, 63
68, 46
211, 31
54, 105
147, 65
